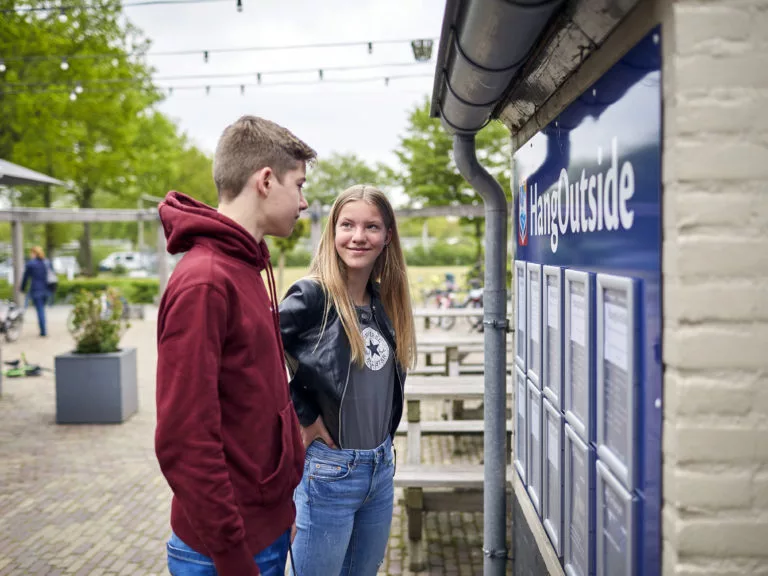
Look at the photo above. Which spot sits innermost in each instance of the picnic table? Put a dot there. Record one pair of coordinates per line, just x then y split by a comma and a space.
439, 487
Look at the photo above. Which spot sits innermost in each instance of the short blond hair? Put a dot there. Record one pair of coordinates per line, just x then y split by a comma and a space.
38, 252
250, 144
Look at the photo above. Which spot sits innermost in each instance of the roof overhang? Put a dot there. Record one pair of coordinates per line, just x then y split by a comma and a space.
500, 59
14, 175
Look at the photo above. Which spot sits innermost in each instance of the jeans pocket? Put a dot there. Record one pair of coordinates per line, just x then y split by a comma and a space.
327, 470
184, 561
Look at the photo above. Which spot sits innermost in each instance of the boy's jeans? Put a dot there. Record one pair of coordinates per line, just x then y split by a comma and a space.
343, 511
184, 561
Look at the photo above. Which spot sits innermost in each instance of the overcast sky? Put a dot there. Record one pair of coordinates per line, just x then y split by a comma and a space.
364, 118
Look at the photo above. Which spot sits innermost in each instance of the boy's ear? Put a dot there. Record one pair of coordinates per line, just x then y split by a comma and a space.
262, 180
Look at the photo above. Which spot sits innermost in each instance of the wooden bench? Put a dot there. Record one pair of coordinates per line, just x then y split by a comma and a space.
456, 349
450, 427
438, 388
454, 487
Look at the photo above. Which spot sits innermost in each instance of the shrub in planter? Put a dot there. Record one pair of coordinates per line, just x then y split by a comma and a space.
96, 383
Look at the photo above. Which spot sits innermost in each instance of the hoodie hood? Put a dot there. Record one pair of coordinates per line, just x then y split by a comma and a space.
187, 223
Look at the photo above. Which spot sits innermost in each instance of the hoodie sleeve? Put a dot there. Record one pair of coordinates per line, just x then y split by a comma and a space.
298, 312
188, 443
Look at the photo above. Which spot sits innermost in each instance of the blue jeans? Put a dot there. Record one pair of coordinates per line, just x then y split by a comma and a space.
184, 561
344, 510
39, 301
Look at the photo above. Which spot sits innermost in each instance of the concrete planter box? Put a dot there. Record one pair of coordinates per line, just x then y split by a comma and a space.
96, 388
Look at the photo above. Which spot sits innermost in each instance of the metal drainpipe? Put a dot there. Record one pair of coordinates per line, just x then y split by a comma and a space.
495, 324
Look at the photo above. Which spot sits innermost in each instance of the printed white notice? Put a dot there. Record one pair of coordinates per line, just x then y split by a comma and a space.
521, 303
535, 296
535, 419
553, 307
553, 447
615, 335
520, 398
577, 319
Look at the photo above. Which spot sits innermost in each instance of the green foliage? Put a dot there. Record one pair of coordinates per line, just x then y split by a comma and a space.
6, 290
430, 176
298, 258
441, 254
135, 290
331, 176
109, 142
286, 245
96, 322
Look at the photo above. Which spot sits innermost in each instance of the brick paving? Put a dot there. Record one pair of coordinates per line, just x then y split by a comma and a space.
90, 500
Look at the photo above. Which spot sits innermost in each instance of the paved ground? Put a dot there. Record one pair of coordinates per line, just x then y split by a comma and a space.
91, 499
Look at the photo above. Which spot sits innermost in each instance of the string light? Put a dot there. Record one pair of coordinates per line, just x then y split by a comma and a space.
63, 15
26, 9
64, 64
241, 86
321, 74
3, 68
367, 44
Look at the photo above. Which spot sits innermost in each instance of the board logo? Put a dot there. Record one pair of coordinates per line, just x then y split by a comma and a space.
522, 221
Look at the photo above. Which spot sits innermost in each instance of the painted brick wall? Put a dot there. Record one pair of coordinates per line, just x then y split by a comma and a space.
715, 267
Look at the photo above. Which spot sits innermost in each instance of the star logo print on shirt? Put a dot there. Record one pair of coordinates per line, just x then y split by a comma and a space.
376, 349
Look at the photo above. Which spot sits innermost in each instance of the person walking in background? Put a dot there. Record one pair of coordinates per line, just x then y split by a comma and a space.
349, 335
36, 274
227, 439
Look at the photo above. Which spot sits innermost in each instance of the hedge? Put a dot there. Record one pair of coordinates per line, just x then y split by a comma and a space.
442, 255
135, 290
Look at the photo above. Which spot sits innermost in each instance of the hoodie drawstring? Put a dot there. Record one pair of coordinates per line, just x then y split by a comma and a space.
275, 312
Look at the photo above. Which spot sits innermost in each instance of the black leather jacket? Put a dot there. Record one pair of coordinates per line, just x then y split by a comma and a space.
320, 369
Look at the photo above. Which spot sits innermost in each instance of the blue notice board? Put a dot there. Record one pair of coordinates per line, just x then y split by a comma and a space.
589, 200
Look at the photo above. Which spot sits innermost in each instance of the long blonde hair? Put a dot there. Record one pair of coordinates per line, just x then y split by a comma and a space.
389, 271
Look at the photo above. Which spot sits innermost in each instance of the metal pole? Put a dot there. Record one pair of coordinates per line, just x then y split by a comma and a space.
141, 226
315, 215
17, 240
495, 323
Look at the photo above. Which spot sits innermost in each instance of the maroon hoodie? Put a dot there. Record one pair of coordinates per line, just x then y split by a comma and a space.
227, 438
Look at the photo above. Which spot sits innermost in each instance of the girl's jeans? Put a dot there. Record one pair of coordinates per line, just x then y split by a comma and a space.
344, 510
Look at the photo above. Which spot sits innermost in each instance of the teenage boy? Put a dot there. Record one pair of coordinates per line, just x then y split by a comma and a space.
227, 438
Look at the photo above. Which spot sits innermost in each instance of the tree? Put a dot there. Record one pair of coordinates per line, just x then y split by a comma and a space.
335, 174
89, 120
286, 245
430, 177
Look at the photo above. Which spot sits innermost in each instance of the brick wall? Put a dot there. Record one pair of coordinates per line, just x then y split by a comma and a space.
715, 267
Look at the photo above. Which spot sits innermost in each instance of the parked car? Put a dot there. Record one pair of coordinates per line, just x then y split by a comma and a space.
129, 261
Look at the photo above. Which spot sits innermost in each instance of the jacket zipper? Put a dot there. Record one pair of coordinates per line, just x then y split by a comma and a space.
341, 404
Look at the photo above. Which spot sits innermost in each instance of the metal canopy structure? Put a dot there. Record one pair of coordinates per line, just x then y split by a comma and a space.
14, 175
18, 216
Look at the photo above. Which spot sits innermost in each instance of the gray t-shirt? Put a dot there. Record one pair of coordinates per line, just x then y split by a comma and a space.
366, 410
